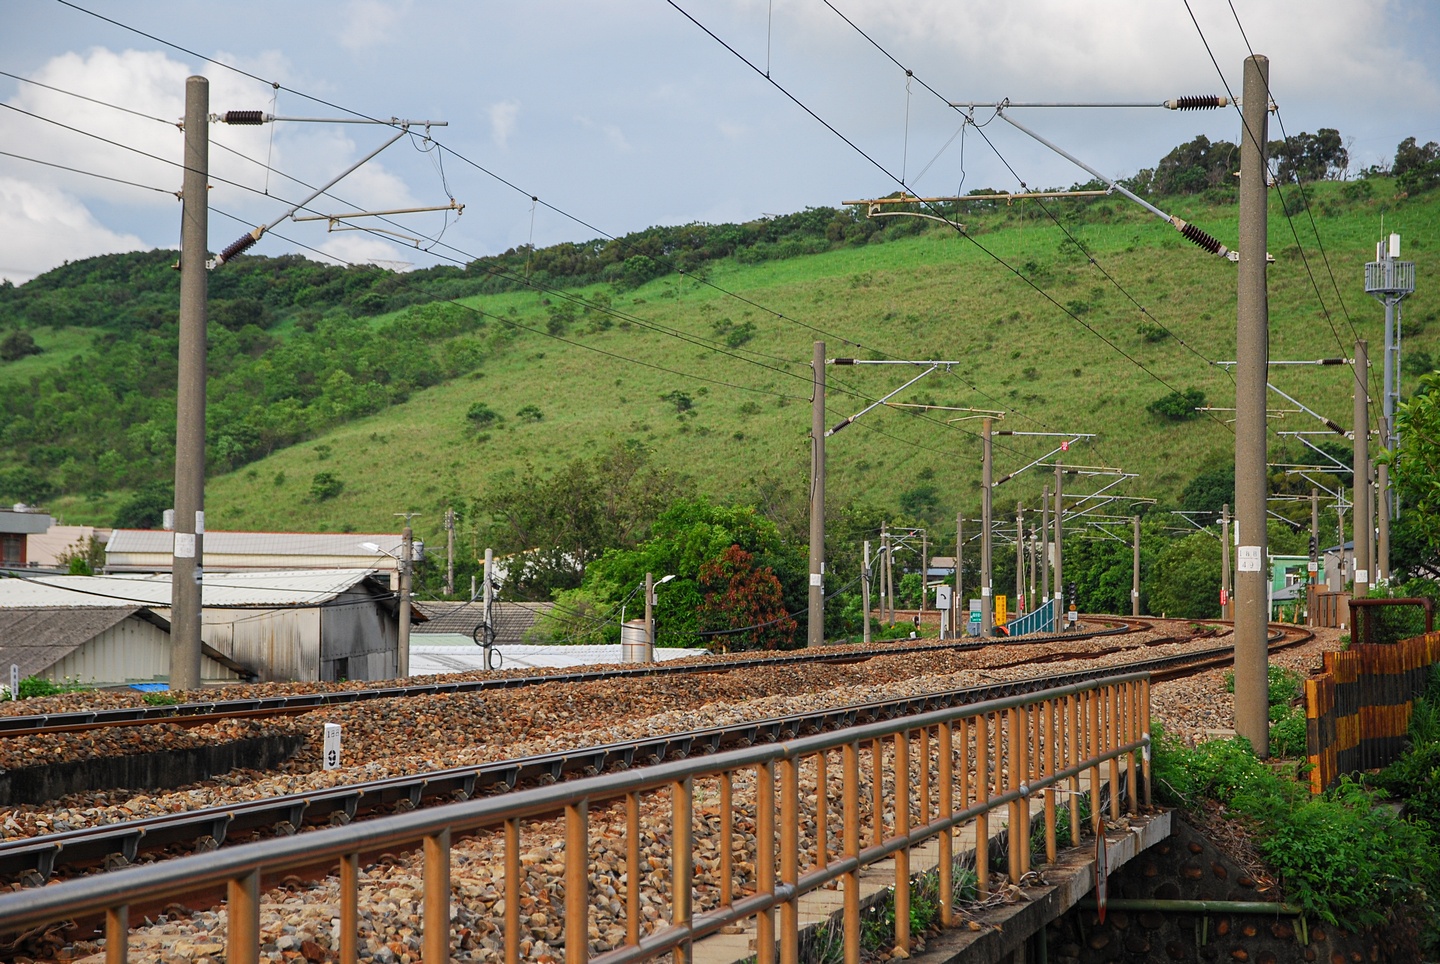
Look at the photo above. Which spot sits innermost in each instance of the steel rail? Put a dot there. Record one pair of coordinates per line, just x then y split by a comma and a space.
198, 713
34, 860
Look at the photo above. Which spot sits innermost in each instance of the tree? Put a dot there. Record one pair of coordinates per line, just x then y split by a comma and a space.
1310, 157
17, 344
1208, 492
1186, 579
1417, 477
1417, 167
1196, 166
146, 508
741, 595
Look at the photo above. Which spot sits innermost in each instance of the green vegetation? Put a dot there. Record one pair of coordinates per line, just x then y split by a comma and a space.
1287, 715
33, 686
1340, 856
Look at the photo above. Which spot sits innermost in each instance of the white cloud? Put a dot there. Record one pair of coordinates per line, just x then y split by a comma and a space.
503, 117
41, 227
612, 133
369, 23
357, 248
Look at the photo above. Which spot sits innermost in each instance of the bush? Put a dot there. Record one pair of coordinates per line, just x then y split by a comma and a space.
483, 416
530, 413
1178, 406
325, 485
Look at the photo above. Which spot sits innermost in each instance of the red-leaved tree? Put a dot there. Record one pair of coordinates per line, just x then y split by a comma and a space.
738, 594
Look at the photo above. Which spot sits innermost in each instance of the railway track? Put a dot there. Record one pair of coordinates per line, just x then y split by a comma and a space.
33, 861
203, 712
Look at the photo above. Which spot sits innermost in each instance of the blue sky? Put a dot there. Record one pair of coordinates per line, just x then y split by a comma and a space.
625, 114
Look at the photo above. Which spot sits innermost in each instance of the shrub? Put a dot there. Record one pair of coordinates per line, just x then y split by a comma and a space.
483, 416
1178, 406
529, 413
325, 485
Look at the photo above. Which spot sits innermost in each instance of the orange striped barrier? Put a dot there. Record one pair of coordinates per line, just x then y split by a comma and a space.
1358, 710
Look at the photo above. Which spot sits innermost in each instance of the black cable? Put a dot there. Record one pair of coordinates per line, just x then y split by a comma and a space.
76, 170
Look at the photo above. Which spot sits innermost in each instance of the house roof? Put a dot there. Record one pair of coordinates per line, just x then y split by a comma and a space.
511, 620
39, 637
225, 590
24, 520
260, 543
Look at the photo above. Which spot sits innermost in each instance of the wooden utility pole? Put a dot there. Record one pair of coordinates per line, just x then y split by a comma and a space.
187, 569
1252, 602
815, 616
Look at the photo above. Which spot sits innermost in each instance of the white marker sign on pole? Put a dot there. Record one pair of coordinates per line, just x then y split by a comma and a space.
332, 745
14, 681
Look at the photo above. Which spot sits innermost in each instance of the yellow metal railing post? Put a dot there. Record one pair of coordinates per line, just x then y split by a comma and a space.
242, 906
790, 858
577, 882
117, 934
765, 859
850, 843
435, 938
350, 909
902, 856
682, 859
945, 807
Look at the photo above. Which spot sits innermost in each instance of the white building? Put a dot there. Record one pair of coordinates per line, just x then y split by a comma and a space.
151, 551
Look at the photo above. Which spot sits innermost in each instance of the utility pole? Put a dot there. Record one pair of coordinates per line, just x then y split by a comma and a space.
1227, 585
650, 613
865, 590
1135, 572
1363, 528
1019, 555
1340, 523
884, 554
407, 555
987, 600
890, 574
1045, 548
1252, 614
924, 566
815, 616
488, 607
449, 552
1059, 571
1030, 599
1382, 521
955, 609
189, 550
1314, 565
1390, 280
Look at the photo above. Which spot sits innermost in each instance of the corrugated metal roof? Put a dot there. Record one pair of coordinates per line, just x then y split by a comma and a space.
512, 620
37, 638
260, 543
300, 587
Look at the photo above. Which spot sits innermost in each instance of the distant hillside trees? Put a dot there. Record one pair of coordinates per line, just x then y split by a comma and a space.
1202, 165
1417, 166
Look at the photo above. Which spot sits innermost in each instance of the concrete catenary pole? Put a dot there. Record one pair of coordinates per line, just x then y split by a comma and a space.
955, 609
865, 590
189, 550
488, 606
815, 616
1252, 602
1362, 524
1382, 521
1135, 571
1312, 583
987, 599
1034, 542
880, 564
1045, 548
449, 552
924, 567
1059, 569
407, 556
1227, 584
1019, 556
650, 613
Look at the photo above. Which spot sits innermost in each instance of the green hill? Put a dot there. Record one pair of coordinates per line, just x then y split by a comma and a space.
423, 407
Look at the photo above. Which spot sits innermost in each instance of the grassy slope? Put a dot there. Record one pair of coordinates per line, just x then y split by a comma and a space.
932, 296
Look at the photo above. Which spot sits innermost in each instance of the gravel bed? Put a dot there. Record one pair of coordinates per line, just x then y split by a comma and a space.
388, 737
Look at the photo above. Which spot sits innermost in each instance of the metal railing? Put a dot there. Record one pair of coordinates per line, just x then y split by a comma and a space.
1039, 620
947, 768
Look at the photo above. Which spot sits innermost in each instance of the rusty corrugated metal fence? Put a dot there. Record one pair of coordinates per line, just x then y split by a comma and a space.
822, 807
1358, 711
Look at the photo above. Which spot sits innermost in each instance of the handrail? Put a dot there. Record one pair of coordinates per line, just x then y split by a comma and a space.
1038, 740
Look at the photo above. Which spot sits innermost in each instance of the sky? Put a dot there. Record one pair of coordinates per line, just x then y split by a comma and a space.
568, 121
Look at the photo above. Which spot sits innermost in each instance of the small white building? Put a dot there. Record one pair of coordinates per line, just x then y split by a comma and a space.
18, 525
96, 646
